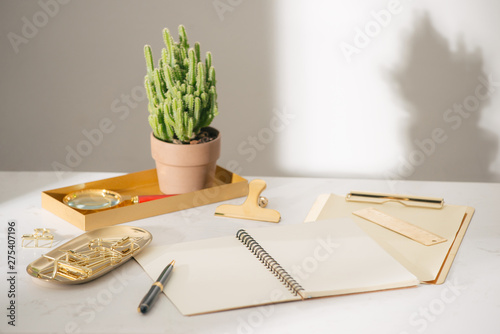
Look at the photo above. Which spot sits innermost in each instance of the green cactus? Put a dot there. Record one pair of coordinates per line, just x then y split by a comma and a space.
181, 91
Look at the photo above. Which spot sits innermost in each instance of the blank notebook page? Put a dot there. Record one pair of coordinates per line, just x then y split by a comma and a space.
213, 275
328, 258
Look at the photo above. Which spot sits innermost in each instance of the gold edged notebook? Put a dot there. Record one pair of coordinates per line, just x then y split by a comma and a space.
276, 264
431, 264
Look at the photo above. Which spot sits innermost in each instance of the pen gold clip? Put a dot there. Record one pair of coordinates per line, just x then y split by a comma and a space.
157, 287
407, 200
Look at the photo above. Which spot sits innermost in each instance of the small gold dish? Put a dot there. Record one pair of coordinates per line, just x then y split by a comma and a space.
90, 255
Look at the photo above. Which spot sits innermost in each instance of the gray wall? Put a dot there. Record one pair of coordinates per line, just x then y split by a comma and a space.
290, 101
80, 74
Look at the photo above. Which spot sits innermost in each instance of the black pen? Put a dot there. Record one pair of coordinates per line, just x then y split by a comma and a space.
157, 287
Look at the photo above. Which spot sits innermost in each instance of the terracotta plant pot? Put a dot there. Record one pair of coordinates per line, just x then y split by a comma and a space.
185, 168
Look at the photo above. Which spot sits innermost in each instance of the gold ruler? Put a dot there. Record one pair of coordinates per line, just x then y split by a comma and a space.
399, 226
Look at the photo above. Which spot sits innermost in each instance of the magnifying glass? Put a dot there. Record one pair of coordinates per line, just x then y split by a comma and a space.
98, 199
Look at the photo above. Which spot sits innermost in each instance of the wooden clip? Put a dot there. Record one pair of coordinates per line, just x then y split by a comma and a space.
252, 208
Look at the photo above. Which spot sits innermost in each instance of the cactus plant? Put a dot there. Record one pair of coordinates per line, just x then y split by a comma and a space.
181, 90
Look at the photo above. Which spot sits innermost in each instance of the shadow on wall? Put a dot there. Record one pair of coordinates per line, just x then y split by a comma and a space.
245, 87
445, 92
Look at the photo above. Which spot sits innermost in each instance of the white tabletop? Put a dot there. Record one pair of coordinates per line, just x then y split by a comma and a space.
469, 301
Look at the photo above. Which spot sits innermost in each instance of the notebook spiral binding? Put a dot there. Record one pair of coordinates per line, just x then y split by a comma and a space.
269, 262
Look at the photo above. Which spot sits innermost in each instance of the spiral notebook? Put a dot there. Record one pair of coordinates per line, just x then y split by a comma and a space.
276, 264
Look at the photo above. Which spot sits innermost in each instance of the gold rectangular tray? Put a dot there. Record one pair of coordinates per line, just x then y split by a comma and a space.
227, 185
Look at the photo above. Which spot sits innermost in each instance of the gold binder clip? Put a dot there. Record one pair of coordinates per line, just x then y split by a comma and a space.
253, 208
379, 198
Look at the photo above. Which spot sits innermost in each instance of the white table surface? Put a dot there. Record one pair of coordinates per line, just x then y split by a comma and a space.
469, 302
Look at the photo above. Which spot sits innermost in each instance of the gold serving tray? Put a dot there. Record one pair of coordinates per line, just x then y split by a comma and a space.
90, 255
226, 185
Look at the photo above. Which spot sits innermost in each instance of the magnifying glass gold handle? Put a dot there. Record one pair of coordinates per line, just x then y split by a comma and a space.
102, 199
147, 198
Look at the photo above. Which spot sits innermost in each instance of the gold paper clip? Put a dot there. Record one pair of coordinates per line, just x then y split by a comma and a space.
97, 255
407, 200
253, 208
40, 234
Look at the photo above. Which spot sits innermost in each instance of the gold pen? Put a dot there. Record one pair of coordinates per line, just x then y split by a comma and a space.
157, 287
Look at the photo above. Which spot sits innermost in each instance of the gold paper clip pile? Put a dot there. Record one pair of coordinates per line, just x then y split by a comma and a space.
99, 254
33, 240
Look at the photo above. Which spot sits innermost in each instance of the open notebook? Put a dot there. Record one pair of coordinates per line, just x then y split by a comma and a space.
274, 264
